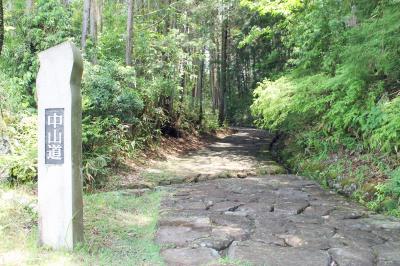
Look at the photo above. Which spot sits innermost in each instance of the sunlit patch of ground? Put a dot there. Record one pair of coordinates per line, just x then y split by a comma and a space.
242, 154
119, 230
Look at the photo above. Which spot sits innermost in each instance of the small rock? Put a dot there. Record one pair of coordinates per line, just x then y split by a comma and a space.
241, 175
190, 256
292, 240
352, 256
209, 204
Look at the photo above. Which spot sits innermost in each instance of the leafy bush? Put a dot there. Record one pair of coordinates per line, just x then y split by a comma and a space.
359, 101
46, 26
20, 166
342, 91
392, 190
110, 106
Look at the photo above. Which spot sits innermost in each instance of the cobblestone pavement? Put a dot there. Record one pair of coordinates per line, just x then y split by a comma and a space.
242, 154
270, 220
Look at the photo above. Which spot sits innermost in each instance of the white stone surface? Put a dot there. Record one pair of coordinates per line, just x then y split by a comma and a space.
60, 186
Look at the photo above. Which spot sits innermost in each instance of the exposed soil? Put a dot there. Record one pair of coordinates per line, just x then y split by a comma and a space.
167, 149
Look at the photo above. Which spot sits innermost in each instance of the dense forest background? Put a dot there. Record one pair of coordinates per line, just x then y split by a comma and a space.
323, 75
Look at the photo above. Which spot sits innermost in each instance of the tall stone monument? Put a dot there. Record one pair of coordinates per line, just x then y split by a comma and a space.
60, 147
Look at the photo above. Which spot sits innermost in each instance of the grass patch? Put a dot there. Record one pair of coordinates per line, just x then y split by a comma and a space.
119, 230
233, 262
164, 177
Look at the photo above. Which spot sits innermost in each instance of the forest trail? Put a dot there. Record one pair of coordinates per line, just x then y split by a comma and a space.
265, 219
242, 154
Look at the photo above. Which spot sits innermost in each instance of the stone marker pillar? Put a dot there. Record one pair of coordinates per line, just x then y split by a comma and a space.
60, 147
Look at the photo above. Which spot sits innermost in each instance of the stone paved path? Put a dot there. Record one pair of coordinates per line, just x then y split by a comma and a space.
240, 155
270, 220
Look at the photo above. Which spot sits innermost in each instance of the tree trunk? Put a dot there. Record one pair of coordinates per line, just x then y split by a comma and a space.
183, 82
66, 2
200, 92
1, 26
214, 80
167, 17
224, 56
29, 6
99, 15
217, 69
129, 38
93, 21
85, 22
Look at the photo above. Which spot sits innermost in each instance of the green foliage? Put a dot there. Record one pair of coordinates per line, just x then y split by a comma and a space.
17, 134
108, 91
45, 27
264, 7
124, 108
255, 33
392, 187
272, 102
388, 194
340, 89
358, 102
20, 165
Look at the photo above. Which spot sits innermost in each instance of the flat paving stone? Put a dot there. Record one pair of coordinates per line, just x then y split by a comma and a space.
179, 236
352, 256
192, 221
270, 255
189, 256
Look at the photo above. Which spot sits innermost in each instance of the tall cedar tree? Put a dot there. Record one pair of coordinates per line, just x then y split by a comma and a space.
85, 22
1, 26
29, 6
129, 38
224, 66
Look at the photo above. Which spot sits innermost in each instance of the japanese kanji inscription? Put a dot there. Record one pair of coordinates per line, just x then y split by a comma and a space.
54, 132
60, 203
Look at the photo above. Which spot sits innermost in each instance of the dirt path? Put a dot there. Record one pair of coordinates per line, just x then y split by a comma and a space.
264, 219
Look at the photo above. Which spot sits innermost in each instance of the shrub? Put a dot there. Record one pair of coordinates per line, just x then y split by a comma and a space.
20, 166
342, 93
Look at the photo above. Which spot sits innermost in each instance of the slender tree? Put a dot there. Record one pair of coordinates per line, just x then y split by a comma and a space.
1, 26
224, 63
201, 85
214, 80
129, 35
94, 10
85, 22
99, 15
167, 22
29, 6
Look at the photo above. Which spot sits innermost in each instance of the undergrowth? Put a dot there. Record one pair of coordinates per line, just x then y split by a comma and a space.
337, 105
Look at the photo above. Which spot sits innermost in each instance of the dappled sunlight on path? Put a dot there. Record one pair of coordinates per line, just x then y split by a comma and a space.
242, 154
